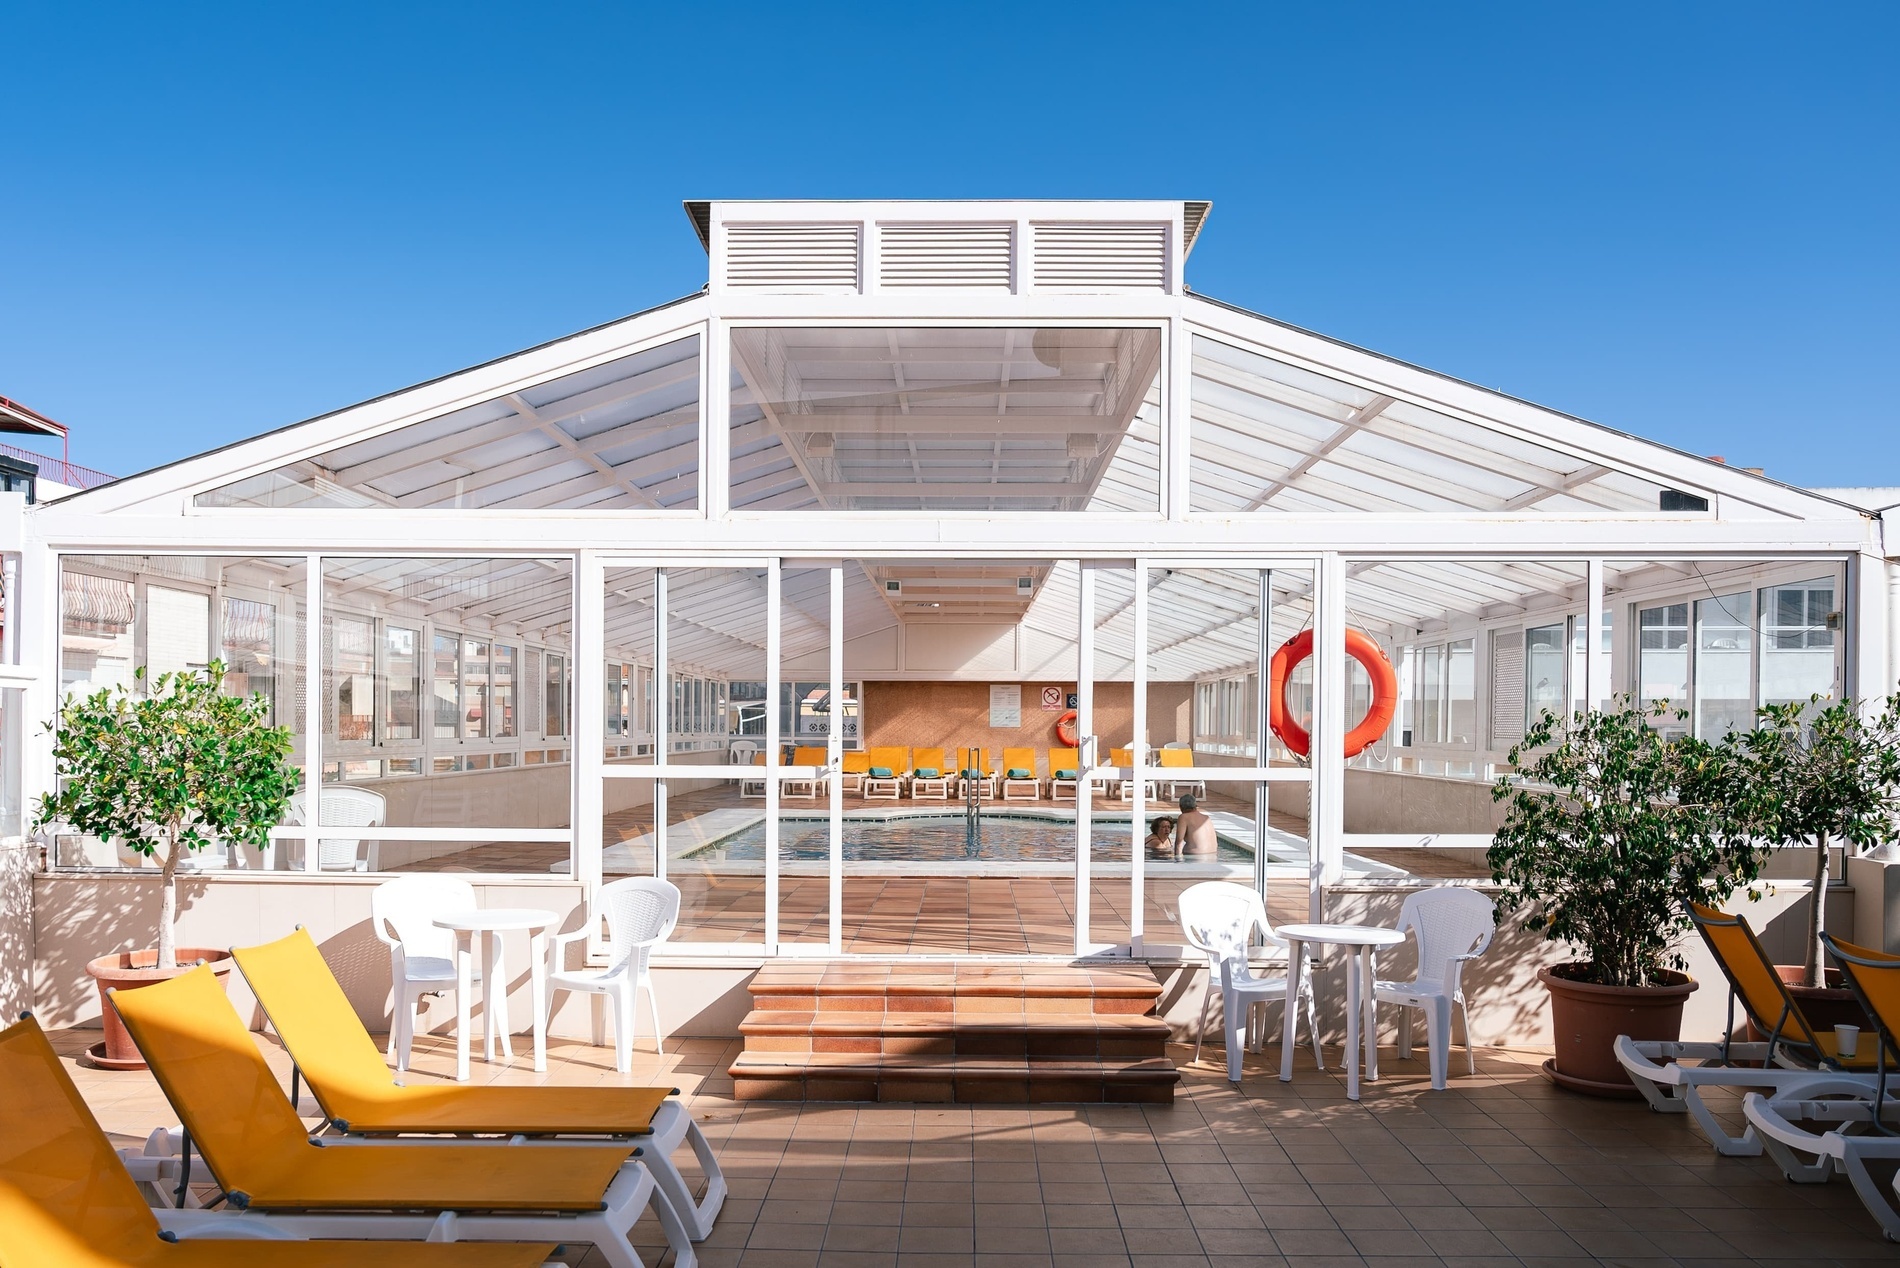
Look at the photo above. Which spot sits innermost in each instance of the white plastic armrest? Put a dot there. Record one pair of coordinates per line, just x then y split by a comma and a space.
559, 940
382, 936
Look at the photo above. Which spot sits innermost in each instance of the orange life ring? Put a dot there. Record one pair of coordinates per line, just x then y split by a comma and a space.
1385, 692
1065, 728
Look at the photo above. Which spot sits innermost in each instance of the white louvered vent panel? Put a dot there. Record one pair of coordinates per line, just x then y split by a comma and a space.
1507, 688
795, 257
963, 256
1122, 256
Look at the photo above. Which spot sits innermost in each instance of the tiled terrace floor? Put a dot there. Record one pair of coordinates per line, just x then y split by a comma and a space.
1500, 1170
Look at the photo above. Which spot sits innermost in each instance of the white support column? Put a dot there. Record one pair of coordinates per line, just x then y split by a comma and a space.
662, 719
834, 750
1085, 729
1596, 658
314, 689
1176, 421
773, 592
1869, 677
715, 416
1326, 826
33, 635
588, 726
1139, 814
1262, 731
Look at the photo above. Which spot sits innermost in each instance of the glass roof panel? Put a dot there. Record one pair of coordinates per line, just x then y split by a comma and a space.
623, 435
1269, 436
952, 419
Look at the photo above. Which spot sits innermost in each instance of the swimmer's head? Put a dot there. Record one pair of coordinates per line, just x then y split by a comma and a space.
1187, 801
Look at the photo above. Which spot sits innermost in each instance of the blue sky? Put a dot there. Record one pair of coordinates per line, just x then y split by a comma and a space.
1676, 219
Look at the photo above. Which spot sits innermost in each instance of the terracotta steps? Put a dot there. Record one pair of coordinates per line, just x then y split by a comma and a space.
968, 1033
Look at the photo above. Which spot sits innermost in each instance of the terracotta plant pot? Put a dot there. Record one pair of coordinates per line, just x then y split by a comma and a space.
1585, 1020
1825, 1007
129, 970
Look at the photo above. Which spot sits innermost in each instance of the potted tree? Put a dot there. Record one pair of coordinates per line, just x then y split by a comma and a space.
1822, 772
1609, 827
174, 770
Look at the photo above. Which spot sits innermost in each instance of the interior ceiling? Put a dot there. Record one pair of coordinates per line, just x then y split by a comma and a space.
942, 418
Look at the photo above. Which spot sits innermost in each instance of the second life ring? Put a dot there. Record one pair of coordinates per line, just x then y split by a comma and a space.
1065, 728
1385, 692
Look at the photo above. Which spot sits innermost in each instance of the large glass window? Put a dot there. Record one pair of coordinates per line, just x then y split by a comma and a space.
1662, 654
402, 661
119, 614
940, 419
445, 686
1544, 682
1724, 677
620, 436
555, 705
1798, 659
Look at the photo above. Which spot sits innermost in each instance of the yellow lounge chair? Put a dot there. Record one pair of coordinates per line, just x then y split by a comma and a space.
884, 775
66, 1200
750, 787
806, 755
1019, 775
345, 1070
1124, 759
929, 775
1794, 1053
1181, 759
244, 1127
1065, 772
984, 774
851, 772
1846, 1105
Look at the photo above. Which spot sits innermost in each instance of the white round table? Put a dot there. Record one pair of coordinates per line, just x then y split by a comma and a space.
491, 923
1363, 941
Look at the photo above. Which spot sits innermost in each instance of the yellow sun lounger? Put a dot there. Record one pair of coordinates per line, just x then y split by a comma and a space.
806, 755
1020, 781
1670, 1075
884, 773
359, 1094
851, 771
1181, 759
929, 775
240, 1122
983, 775
65, 1199
1065, 772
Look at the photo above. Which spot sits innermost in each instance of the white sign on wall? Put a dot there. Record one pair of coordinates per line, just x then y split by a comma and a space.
1006, 705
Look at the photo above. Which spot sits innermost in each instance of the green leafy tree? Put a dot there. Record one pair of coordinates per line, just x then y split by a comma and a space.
1609, 827
180, 768
1819, 771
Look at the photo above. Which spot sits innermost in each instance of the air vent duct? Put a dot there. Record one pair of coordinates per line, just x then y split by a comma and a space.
1097, 256
955, 256
792, 257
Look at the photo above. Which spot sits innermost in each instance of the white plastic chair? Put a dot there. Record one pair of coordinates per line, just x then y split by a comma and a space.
1451, 924
421, 956
1219, 918
641, 912
339, 808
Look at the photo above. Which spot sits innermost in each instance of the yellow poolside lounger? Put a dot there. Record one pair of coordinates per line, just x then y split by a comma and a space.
884, 774
255, 1147
1181, 759
851, 771
65, 1199
806, 755
984, 774
929, 775
345, 1070
1065, 772
1020, 781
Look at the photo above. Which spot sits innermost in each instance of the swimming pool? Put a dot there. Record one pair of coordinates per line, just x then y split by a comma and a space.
934, 839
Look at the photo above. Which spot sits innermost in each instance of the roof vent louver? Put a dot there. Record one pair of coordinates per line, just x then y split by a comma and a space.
1094, 256
792, 257
961, 256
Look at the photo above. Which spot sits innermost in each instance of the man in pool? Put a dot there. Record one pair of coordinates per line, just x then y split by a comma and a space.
1194, 832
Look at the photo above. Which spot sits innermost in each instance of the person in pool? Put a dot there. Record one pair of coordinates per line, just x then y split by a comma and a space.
1161, 837
1194, 832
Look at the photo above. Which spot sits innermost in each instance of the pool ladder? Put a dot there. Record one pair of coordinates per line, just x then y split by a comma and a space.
972, 803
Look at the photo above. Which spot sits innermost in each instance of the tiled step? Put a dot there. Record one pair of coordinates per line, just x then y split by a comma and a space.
823, 1076
1117, 1036
907, 1031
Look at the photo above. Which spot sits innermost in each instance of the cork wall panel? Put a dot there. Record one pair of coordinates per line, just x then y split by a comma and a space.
957, 714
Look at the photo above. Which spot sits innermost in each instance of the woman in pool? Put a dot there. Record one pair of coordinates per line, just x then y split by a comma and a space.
1161, 837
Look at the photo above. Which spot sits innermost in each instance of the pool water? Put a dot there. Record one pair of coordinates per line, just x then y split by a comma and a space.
935, 839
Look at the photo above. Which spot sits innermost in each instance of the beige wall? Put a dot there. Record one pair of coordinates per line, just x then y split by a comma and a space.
929, 714
1395, 802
